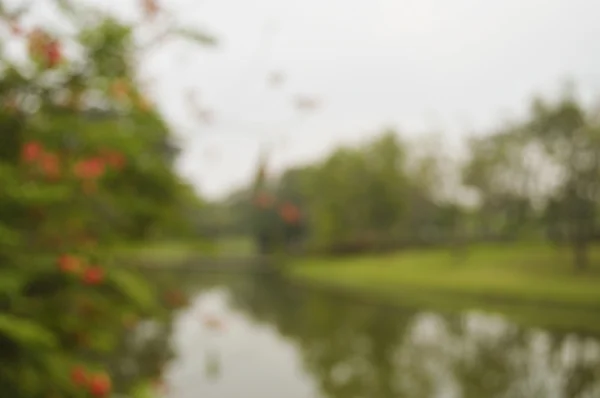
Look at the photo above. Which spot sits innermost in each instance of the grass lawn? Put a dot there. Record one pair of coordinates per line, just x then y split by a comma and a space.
532, 284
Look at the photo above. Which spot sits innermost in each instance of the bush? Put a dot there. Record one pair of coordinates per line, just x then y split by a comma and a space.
83, 165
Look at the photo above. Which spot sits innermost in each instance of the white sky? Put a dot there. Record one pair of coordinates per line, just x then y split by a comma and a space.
446, 65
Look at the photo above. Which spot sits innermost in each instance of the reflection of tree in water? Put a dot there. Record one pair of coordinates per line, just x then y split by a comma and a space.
348, 347
357, 350
437, 356
142, 354
488, 357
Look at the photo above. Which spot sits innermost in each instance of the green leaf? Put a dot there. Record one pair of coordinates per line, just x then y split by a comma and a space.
104, 342
55, 366
11, 282
134, 288
194, 35
26, 333
8, 237
143, 390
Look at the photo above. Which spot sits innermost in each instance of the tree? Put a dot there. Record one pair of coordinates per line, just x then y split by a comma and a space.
570, 137
501, 171
84, 163
386, 184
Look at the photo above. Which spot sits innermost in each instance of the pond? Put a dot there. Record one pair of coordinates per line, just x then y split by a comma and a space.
258, 337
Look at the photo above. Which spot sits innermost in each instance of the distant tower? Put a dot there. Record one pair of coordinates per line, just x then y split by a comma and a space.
261, 220
260, 180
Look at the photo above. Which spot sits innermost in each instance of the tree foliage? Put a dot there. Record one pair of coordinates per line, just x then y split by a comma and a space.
85, 162
531, 178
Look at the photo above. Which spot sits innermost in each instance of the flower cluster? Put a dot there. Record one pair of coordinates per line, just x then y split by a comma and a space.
90, 274
97, 384
44, 48
68, 200
88, 170
33, 153
37, 159
288, 212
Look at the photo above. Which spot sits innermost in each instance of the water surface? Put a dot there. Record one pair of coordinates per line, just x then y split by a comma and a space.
276, 341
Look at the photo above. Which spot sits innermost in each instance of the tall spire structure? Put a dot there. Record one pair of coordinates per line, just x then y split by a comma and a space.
261, 172
262, 201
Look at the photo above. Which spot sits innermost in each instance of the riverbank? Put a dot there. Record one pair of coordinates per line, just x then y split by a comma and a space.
534, 285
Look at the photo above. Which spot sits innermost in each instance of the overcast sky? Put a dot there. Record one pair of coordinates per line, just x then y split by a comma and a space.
417, 65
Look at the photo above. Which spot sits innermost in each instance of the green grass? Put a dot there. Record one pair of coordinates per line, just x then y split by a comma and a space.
532, 284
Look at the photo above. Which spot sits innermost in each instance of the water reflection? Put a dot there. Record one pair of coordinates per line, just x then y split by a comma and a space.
253, 360
142, 355
281, 341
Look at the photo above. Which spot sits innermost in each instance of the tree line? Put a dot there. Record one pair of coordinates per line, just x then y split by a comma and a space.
535, 178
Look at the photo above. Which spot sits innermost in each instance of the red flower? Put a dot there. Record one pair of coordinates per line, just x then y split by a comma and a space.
99, 385
90, 169
69, 264
45, 48
50, 165
93, 276
31, 151
79, 376
52, 53
289, 213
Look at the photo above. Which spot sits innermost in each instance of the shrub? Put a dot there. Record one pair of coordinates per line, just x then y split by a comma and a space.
75, 177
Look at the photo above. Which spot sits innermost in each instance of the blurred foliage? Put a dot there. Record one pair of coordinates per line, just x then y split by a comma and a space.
86, 162
531, 179
352, 347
